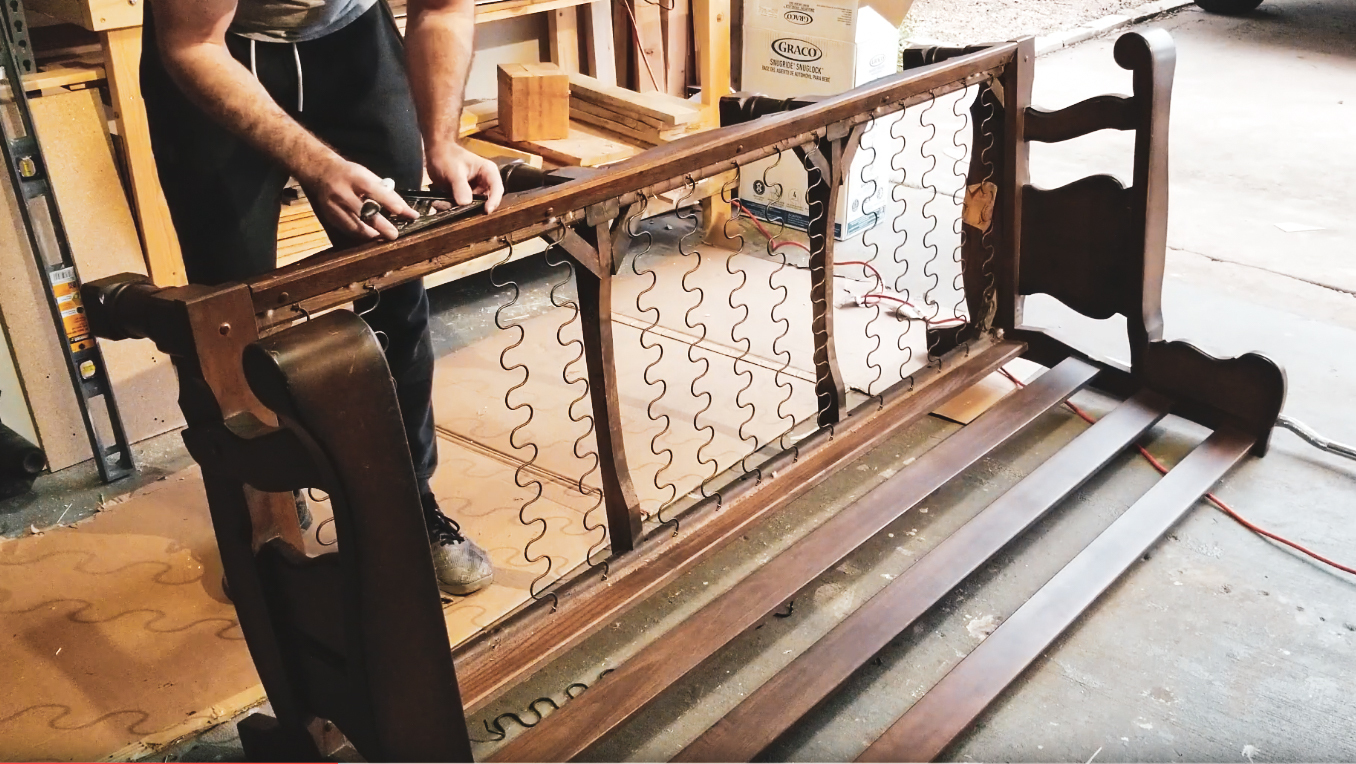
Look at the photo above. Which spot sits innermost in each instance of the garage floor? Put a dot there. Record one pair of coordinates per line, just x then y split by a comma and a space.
1221, 646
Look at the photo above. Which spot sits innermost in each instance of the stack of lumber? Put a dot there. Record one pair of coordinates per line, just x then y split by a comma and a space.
652, 118
299, 233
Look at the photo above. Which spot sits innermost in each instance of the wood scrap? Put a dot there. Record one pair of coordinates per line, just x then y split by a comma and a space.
592, 114
669, 111
598, 48
494, 150
563, 27
648, 25
675, 18
479, 115
534, 102
587, 146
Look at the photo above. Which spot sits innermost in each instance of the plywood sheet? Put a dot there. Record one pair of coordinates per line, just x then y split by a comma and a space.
116, 630
104, 242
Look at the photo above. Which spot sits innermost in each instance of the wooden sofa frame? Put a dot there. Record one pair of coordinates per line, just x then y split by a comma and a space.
351, 645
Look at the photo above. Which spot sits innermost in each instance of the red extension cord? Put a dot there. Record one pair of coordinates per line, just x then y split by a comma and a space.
1212, 497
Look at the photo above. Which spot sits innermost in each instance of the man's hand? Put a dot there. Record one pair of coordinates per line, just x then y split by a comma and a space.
461, 172
337, 189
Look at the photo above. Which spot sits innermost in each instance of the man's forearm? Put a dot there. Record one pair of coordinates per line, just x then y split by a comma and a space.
439, 44
226, 91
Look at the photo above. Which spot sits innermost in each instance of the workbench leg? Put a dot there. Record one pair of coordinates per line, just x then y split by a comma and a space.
122, 48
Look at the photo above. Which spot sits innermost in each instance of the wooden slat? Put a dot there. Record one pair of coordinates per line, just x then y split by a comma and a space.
669, 111
563, 25
598, 47
623, 693
161, 246
494, 150
587, 146
592, 114
62, 75
817, 673
1104, 112
952, 704
675, 15
651, 71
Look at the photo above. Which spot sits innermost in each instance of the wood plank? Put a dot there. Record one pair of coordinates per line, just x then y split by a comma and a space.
675, 16
670, 111
711, 38
511, 652
494, 150
592, 114
94, 15
63, 75
587, 146
479, 115
651, 71
625, 692
946, 710
819, 672
598, 48
514, 8
563, 24
159, 242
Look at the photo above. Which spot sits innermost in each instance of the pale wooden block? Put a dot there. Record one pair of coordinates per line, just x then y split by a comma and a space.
534, 102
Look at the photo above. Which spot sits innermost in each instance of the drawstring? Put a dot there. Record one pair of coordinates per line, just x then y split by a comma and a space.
296, 56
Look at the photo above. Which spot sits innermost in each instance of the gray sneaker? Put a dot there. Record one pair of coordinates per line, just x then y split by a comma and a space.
461, 565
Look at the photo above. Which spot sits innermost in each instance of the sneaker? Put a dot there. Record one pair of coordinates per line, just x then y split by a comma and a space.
303, 510
461, 565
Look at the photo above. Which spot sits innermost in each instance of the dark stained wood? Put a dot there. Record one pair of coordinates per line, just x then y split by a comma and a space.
946, 710
827, 162
1246, 392
376, 660
1152, 57
817, 673
1014, 175
1077, 246
511, 651
1104, 112
698, 155
600, 357
625, 692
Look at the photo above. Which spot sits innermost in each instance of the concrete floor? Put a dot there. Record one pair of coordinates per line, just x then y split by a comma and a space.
1220, 646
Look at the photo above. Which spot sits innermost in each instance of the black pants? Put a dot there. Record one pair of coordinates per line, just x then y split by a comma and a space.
225, 197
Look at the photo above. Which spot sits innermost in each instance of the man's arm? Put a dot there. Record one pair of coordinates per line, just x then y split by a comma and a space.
191, 36
439, 44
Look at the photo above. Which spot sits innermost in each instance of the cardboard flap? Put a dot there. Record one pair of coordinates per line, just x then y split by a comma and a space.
894, 11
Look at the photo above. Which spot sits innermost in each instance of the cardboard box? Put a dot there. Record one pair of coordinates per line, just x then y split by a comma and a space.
804, 47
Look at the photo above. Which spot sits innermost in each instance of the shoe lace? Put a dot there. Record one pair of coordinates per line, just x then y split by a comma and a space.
441, 528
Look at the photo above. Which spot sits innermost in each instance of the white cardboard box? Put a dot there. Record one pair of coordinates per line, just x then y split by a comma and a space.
804, 47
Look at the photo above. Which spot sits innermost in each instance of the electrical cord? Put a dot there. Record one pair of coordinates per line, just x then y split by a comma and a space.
1223, 507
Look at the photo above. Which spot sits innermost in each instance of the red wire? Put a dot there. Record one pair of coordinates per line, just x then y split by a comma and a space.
766, 233
868, 266
1228, 510
640, 49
